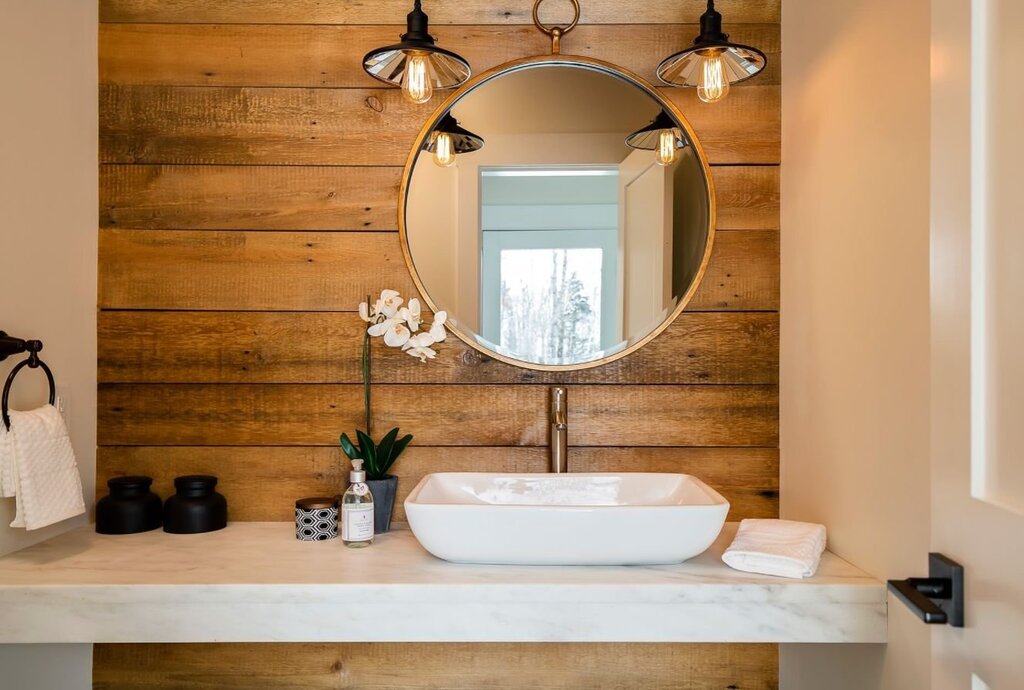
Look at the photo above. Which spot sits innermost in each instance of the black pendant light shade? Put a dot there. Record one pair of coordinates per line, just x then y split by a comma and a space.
463, 141
738, 62
445, 69
649, 138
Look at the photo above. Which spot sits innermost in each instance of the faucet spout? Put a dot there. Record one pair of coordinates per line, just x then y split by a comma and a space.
559, 444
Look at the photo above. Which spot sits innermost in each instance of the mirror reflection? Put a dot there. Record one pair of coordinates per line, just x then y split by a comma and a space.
559, 213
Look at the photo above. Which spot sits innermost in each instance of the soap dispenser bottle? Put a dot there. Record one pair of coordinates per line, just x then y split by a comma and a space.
357, 510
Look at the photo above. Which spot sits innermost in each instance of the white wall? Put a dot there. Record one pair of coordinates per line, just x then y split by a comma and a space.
854, 390
48, 210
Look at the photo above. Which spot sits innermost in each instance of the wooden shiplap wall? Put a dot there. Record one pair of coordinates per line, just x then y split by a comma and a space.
248, 200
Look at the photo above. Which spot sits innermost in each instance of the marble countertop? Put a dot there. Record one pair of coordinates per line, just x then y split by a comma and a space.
254, 582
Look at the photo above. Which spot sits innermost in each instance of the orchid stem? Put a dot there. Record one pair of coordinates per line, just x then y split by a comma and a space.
366, 375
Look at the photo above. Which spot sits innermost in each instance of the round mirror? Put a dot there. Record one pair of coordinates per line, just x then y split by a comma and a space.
560, 210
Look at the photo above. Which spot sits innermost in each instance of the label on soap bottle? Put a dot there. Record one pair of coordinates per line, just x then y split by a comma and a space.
357, 522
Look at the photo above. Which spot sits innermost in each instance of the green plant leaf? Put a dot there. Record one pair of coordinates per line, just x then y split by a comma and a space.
349, 448
384, 448
369, 452
396, 450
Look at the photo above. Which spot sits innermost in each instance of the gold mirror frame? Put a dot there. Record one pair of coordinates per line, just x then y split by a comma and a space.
531, 63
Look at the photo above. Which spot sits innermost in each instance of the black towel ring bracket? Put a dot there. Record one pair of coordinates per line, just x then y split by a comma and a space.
13, 346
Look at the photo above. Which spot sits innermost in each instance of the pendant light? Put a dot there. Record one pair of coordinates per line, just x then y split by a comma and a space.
449, 139
663, 136
416, 64
712, 64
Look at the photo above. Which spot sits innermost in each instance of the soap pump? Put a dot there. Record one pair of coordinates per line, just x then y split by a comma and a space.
357, 510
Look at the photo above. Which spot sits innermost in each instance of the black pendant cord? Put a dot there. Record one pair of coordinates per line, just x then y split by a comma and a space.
417, 25
711, 27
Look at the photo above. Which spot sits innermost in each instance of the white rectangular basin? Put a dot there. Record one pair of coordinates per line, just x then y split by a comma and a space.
565, 519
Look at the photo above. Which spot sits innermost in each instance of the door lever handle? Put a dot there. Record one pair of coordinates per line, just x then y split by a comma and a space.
938, 598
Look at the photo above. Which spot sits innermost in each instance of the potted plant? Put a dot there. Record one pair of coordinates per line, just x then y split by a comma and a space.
401, 327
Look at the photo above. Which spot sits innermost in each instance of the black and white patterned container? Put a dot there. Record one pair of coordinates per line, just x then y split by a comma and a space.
316, 519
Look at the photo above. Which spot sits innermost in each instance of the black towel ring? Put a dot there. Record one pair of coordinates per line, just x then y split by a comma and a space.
33, 362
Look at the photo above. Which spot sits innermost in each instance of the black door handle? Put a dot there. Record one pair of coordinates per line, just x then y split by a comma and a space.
908, 591
938, 598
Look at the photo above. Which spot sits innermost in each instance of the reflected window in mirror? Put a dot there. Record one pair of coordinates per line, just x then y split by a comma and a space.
550, 261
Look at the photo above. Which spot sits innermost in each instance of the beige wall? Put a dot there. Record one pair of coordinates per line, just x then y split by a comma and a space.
48, 198
854, 391
48, 202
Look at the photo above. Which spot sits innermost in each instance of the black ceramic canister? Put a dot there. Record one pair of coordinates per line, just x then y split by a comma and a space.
196, 507
129, 508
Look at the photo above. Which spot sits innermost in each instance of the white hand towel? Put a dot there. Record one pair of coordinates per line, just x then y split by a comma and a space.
45, 474
776, 547
7, 489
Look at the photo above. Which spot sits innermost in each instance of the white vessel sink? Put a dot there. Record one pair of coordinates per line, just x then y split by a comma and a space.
565, 519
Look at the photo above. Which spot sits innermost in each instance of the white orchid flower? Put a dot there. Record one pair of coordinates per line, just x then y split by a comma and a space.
364, 312
402, 326
397, 335
437, 331
412, 315
419, 346
395, 332
388, 303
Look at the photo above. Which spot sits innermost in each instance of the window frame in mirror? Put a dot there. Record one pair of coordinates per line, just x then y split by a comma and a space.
578, 62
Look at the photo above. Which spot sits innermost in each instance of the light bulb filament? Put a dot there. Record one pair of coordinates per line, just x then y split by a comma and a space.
713, 85
444, 150
417, 83
666, 151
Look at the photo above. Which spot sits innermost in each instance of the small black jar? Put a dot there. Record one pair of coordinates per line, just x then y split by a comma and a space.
196, 507
129, 508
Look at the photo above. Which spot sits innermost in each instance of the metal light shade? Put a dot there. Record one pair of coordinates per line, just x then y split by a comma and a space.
446, 69
648, 137
463, 141
739, 62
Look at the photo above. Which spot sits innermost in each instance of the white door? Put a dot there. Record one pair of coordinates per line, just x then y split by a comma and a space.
646, 213
977, 288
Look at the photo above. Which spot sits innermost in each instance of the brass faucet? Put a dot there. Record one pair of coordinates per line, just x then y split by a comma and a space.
559, 430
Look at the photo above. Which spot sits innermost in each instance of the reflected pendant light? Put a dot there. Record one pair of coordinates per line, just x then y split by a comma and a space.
663, 136
712, 64
416, 64
449, 139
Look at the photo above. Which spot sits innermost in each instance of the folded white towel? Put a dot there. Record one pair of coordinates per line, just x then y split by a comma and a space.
45, 475
776, 547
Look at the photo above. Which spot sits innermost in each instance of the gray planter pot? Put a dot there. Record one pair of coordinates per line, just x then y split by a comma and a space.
383, 491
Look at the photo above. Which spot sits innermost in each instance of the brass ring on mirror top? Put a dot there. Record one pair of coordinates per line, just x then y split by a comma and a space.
585, 63
556, 32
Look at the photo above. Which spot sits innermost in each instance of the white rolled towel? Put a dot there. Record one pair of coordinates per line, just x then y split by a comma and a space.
777, 547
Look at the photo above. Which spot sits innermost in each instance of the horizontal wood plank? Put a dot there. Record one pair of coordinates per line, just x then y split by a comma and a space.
246, 197
394, 11
213, 197
248, 271
747, 197
430, 666
449, 415
191, 270
331, 56
275, 126
308, 347
261, 484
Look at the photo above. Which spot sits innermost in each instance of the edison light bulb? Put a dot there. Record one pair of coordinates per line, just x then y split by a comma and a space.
713, 85
444, 151
417, 84
666, 151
